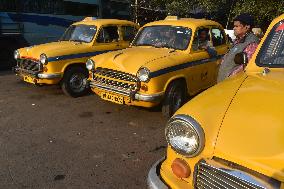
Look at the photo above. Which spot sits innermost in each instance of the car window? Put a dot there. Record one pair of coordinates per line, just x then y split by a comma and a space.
271, 53
163, 36
128, 33
81, 33
201, 39
217, 37
108, 34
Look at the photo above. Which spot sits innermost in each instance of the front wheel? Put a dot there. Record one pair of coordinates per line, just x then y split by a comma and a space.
175, 97
74, 82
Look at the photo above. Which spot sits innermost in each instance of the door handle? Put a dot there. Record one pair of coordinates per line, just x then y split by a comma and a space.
204, 75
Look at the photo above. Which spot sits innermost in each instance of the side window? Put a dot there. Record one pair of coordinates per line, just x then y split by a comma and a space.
201, 39
128, 33
108, 34
217, 37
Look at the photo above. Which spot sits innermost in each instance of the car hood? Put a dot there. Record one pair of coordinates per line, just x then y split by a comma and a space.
252, 132
131, 59
54, 49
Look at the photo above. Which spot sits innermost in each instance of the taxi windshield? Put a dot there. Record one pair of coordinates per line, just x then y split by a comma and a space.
172, 37
79, 33
272, 51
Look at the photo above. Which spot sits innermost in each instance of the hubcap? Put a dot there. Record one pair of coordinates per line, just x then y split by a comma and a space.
77, 82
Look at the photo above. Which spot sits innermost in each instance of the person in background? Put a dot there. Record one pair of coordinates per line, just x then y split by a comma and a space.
202, 42
246, 41
205, 43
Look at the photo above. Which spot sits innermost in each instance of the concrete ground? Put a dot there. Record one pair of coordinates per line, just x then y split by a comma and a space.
49, 140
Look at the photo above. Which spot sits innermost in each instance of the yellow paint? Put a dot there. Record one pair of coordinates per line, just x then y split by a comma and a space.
243, 122
66, 48
130, 60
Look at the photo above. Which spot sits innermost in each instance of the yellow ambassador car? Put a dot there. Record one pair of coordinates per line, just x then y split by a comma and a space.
232, 135
165, 63
64, 61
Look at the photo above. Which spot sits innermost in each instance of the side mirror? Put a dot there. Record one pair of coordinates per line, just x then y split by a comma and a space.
241, 58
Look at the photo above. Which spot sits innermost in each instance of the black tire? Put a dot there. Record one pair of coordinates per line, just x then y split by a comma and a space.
74, 82
175, 97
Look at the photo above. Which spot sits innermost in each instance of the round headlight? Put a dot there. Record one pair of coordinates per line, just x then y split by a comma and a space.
16, 54
43, 59
185, 135
90, 64
143, 74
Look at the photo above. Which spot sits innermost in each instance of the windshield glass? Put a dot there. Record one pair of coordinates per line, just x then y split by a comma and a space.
164, 36
80, 33
272, 51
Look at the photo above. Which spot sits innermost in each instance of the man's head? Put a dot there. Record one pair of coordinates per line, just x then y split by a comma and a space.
203, 34
243, 24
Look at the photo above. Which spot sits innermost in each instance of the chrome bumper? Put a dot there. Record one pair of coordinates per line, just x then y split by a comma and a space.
153, 180
134, 95
49, 76
149, 98
36, 74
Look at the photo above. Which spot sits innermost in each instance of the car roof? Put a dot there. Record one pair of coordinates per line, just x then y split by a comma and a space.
99, 22
186, 22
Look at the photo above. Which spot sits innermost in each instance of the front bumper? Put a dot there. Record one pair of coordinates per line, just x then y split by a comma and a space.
134, 95
36, 74
154, 180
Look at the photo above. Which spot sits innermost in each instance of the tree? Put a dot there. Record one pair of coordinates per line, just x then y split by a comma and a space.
264, 11
222, 11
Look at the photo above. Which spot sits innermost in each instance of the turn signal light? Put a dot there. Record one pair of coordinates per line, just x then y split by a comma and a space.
144, 88
45, 69
180, 168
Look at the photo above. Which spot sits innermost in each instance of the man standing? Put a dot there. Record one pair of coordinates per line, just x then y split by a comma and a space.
245, 42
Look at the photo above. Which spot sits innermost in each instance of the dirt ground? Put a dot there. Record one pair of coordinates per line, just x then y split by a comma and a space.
49, 140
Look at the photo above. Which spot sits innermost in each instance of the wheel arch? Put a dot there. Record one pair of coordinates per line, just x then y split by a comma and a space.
76, 64
180, 78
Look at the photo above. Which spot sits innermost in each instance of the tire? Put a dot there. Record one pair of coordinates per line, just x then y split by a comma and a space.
74, 82
175, 97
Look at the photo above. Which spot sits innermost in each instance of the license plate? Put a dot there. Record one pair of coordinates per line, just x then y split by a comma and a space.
29, 79
113, 98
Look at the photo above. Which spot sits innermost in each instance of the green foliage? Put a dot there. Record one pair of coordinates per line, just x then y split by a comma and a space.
263, 11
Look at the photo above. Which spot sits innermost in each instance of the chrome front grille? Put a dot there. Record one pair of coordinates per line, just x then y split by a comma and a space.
208, 176
115, 81
28, 65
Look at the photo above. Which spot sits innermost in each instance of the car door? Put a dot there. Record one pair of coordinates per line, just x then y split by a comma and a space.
221, 45
107, 39
127, 34
201, 60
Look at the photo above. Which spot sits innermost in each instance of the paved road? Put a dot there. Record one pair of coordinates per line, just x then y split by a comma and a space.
49, 140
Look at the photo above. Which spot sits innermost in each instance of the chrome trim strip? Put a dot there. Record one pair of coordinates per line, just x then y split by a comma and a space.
110, 89
49, 76
153, 179
149, 98
137, 96
212, 175
19, 70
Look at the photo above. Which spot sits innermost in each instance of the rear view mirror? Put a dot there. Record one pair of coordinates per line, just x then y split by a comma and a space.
241, 58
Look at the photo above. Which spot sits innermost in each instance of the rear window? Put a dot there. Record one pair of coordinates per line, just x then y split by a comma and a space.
272, 51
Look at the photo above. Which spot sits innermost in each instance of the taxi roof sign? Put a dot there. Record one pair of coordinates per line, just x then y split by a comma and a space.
89, 18
172, 18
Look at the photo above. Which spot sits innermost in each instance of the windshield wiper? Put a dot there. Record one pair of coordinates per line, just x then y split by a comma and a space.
143, 44
165, 46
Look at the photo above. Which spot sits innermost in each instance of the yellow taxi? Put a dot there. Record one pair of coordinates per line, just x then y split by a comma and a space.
63, 62
165, 63
232, 135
